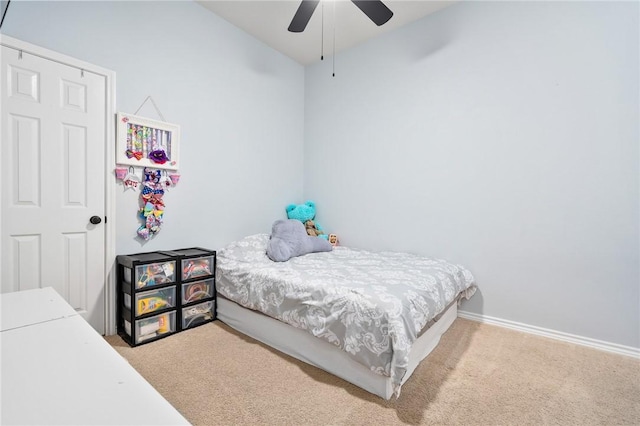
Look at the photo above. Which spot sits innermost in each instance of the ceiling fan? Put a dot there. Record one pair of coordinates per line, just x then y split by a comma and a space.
374, 9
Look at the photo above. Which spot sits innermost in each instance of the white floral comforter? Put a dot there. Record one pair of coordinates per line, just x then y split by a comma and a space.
371, 305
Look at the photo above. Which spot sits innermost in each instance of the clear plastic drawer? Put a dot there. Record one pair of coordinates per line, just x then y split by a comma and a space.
155, 326
152, 300
196, 267
152, 274
197, 314
197, 290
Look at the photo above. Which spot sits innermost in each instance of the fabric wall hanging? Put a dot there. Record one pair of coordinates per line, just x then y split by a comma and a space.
153, 146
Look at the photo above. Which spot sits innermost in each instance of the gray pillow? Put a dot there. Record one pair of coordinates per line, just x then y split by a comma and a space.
289, 239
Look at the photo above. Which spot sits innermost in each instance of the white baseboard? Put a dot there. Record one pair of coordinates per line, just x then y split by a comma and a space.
553, 334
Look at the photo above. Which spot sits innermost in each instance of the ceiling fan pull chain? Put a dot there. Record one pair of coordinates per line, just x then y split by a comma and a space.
322, 35
334, 38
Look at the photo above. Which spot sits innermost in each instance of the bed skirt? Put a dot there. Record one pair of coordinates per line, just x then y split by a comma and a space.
307, 348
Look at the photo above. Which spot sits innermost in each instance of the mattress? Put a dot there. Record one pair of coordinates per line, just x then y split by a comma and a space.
307, 348
371, 306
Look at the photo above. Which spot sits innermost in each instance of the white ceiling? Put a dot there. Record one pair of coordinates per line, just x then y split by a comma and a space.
268, 21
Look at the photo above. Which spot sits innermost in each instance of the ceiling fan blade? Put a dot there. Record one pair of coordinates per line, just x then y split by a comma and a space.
375, 10
302, 16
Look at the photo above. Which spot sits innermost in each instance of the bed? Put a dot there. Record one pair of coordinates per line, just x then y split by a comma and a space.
369, 318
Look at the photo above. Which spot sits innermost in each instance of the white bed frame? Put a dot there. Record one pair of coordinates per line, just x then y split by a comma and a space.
312, 350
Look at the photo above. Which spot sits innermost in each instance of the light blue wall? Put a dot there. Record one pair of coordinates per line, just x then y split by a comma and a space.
239, 103
503, 136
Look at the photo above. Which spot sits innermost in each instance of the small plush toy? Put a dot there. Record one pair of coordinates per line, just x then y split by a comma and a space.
312, 229
306, 213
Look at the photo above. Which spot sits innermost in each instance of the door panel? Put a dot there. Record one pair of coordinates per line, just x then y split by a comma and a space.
74, 147
24, 84
25, 253
25, 149
53, 180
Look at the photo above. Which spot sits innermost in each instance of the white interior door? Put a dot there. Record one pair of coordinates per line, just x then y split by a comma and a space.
52, 173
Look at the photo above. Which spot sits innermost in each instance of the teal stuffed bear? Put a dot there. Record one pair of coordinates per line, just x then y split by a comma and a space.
306, 214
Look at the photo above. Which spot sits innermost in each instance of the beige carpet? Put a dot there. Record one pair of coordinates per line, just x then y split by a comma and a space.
478, 375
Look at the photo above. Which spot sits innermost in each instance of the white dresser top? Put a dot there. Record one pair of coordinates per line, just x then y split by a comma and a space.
56, 369
32, 307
